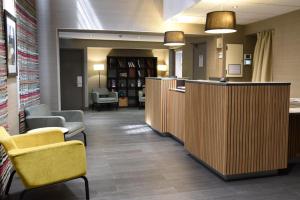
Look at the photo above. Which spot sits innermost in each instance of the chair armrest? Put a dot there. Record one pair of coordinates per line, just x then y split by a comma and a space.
45, 121
114, 94
49, 164
39, 137
140, 93
95, 97
70, 115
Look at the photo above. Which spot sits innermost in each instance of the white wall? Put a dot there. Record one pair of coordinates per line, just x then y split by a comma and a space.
119, 15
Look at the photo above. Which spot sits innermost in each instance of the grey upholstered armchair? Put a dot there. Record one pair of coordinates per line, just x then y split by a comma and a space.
142, 97
103, 96
40, 116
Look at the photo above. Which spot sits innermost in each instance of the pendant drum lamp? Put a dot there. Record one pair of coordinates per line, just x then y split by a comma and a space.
219, 22
174, 38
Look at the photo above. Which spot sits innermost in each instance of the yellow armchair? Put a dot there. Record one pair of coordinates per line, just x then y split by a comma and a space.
41, 157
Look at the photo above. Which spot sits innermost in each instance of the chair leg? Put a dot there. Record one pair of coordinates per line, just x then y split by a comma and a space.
84, 138
86, 184
23, 194
11, 176
87, 190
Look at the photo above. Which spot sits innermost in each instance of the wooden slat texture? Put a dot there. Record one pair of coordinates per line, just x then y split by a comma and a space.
176, 114
294, 136
238, 129
156, 102
205, 125
257, 129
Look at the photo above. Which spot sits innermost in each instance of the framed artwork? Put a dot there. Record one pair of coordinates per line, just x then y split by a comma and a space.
234, 70
11, 44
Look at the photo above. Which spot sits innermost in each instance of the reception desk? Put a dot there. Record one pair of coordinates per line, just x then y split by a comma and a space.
238, 129
176, 114
294, 134
156, 102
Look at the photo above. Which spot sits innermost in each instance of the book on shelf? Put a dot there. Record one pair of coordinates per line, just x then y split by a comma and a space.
122, 63
139, 82
132, 72
128, 75
123, 74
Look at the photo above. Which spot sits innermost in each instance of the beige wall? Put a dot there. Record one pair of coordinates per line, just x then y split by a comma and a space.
286, 47
187, 54
213, 64
96, 56
162, 58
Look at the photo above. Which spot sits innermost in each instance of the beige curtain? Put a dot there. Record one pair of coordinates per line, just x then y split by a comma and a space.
262, 70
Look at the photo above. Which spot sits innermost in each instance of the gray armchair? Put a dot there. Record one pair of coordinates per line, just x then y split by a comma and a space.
142, 97
40, 116
103, 96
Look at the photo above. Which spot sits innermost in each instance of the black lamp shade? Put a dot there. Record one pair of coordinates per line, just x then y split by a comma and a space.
174, 38
220, 22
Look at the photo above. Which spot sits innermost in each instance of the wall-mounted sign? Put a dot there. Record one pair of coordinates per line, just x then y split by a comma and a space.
247, 59
201, 60
11, 44
234, 70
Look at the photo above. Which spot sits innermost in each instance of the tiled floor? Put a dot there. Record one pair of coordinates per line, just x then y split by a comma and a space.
127, 160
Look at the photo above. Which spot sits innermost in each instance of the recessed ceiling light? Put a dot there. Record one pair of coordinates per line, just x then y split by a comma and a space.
235, 7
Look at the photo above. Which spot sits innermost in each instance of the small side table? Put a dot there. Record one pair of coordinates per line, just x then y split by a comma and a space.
123, 101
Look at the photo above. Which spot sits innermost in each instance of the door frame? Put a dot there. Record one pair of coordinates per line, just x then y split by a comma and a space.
84, 75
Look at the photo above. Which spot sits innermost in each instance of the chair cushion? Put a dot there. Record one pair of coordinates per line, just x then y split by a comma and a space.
101, 91
142, 99
38, 110
107, 100
74, 127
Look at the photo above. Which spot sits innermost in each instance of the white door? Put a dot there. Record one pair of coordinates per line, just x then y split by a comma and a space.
234, 60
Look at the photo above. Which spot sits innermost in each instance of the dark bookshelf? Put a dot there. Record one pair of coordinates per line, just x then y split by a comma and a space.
126, 75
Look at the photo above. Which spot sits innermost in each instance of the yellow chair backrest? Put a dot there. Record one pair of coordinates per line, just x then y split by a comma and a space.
6, 140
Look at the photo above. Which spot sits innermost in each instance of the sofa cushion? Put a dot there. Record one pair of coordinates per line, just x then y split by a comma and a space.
38, 110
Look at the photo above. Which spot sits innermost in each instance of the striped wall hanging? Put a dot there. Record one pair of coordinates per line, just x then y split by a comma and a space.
27, 61
27, 56
5, 165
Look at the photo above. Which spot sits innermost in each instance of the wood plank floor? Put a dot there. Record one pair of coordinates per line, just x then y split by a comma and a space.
127, 160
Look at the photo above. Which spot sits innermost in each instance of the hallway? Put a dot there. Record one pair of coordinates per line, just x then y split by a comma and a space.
128, 161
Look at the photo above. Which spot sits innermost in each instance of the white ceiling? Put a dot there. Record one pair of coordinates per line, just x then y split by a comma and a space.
247, 11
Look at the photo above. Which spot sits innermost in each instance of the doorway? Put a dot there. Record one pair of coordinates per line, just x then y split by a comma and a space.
199, 61
71, 79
